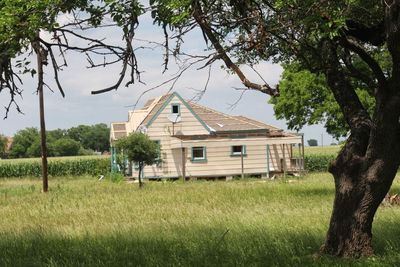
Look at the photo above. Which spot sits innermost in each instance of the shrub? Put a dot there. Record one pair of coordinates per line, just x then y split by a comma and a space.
66, 147
312, 142
318, 163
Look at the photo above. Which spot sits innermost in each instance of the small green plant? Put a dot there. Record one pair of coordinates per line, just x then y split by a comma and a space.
116, 177
139, 148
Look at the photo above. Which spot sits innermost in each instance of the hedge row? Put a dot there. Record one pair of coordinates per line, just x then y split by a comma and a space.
318, 163
92, 166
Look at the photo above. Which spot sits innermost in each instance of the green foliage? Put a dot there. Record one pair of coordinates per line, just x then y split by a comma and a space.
139, 148
3, 145
66, 147
305, 99
115, 177
318, 163
174, 13
80, 140
78, 166
312, 142
95, 137
22, 141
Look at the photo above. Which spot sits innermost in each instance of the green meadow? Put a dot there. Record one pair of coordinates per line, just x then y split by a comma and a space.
251, 222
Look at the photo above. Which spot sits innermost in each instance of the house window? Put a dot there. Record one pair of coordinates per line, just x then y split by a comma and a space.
199, 154
236, 151
175, 108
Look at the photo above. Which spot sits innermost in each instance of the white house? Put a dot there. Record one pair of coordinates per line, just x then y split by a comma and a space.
197, 141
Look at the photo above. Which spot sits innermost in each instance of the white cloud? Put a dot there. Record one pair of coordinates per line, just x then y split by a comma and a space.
80, 107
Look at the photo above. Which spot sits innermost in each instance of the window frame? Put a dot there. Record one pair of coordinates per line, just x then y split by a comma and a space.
198, 159
176, 105
239, 154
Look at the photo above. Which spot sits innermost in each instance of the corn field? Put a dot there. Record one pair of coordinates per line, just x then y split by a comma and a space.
58, 167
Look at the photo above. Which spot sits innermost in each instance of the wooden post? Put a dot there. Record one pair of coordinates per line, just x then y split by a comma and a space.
241, 161
41, 58
302, 150
284, 161
268, 161
300, 158
183, 164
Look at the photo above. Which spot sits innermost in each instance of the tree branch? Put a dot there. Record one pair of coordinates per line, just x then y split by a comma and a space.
369, 60
208, 32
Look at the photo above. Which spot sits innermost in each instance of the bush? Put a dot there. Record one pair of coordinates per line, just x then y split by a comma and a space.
318, 163
62, 167
66, 147
312, 142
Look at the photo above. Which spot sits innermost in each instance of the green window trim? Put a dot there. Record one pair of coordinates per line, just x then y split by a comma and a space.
200, 160
235, 154
178, 106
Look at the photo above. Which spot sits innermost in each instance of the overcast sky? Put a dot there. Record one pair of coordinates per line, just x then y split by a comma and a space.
80, 107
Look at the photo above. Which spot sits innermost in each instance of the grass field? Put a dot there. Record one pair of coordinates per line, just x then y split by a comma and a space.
86, 222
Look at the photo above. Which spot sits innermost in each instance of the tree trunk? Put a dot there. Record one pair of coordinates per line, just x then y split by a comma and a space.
41, 59
366, 166
356, 202
140, 175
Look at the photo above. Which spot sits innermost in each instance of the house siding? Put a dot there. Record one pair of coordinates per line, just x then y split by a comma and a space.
162, 129
219, 160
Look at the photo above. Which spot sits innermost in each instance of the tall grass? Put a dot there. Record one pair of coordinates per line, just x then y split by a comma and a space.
86, 222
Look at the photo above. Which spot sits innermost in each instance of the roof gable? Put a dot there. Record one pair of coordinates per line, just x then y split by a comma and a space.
159, 108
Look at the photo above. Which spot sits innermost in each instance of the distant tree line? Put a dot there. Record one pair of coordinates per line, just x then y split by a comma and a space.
80, 140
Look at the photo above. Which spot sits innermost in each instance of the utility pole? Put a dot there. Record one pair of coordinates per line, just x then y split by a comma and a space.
41, 56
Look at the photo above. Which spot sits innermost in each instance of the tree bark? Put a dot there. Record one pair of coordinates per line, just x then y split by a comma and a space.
356, 200
140, 174
41, 60
366, 166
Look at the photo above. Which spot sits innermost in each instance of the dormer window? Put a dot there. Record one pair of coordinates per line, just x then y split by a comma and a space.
175, 109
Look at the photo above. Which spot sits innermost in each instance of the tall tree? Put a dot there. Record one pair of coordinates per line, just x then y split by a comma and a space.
22, 141
344, 41
95, 137
22, 24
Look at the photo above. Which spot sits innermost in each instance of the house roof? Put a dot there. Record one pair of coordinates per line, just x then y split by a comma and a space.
118, 130
221, 122
214, 121
156, 108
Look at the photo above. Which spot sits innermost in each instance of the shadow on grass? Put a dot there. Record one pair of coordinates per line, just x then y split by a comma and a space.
198, 246
322, 192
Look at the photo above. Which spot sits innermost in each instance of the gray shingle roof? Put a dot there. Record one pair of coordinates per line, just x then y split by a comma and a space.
215, 120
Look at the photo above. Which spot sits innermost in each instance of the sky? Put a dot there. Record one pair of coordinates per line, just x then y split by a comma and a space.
80, 107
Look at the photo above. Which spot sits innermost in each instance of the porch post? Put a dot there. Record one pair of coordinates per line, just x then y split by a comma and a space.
183, 164
284, 161
241, 162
